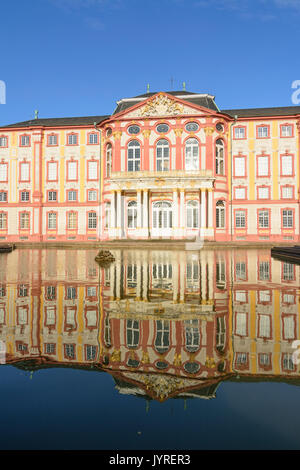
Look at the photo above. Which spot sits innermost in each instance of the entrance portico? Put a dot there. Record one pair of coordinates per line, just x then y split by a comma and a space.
167, 205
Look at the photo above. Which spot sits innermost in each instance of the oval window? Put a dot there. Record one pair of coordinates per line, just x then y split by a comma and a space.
191, 127
108, 132
220, 127
162, 128
133, 129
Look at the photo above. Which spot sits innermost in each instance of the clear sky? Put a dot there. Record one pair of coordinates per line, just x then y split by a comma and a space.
78, 57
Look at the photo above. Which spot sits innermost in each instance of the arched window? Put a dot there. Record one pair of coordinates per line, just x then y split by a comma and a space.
108, 159
162, 215
192, 214
192, 154
220, 170
220, 214
132, 214
133, 156
162, 155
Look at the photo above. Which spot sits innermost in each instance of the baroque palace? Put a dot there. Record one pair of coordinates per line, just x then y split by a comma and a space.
163, 165
163, 324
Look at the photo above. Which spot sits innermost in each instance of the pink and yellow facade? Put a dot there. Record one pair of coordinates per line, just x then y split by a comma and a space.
163, 165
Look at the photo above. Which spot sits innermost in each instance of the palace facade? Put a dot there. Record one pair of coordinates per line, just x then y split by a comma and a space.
163, 323
163, 165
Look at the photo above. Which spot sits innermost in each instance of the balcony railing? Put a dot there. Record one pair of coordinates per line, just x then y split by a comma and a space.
162, 174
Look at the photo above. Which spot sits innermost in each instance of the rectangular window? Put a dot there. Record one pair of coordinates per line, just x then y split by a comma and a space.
287, 362
264, 296
262, 166
72, 196
24, 141
289, 327
239, 133
52, 139
90, 352
24, 221
263, 193
70, 351
93, 138
3, 196
22, 316
288, 272
52, 171
49, 348
262, 132
91, 291
264, 271
24, 196
241, 324
287, 131
72, 171
52, 221
72, 220
91, 318
50, 293
3, 221
240, 271
52, 196
240, 296
264, 326
50, 316
23, 290
3, 171
3, 141
24, 172
263, 219
92, 220
286, 165
287, 219
240, 193
71, 293
240, 219
287, 192
92, 170
70, 317
239, 166
72, 139
92, 195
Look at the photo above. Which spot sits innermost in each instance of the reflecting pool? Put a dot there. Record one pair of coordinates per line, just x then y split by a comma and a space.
159, 350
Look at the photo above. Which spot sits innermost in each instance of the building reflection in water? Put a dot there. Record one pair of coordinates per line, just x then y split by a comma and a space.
163, 323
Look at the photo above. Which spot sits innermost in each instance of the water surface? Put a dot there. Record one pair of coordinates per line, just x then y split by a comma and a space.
161, 350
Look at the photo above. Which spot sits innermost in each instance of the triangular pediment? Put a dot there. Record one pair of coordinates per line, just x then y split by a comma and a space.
163, 105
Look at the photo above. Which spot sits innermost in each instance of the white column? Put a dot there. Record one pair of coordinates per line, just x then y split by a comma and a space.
119, 212
145, 213
210, 209
138, 277
210, 279
175, 211
182, 277
139, 209
113, 211
175, 277
145, 280
118, 280
182, 221
203, 276
203, 209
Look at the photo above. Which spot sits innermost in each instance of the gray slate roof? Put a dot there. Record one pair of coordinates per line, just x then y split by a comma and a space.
204, 101
263, 112
65, 121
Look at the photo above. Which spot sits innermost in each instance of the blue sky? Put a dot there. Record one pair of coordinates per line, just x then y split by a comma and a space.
78, 57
